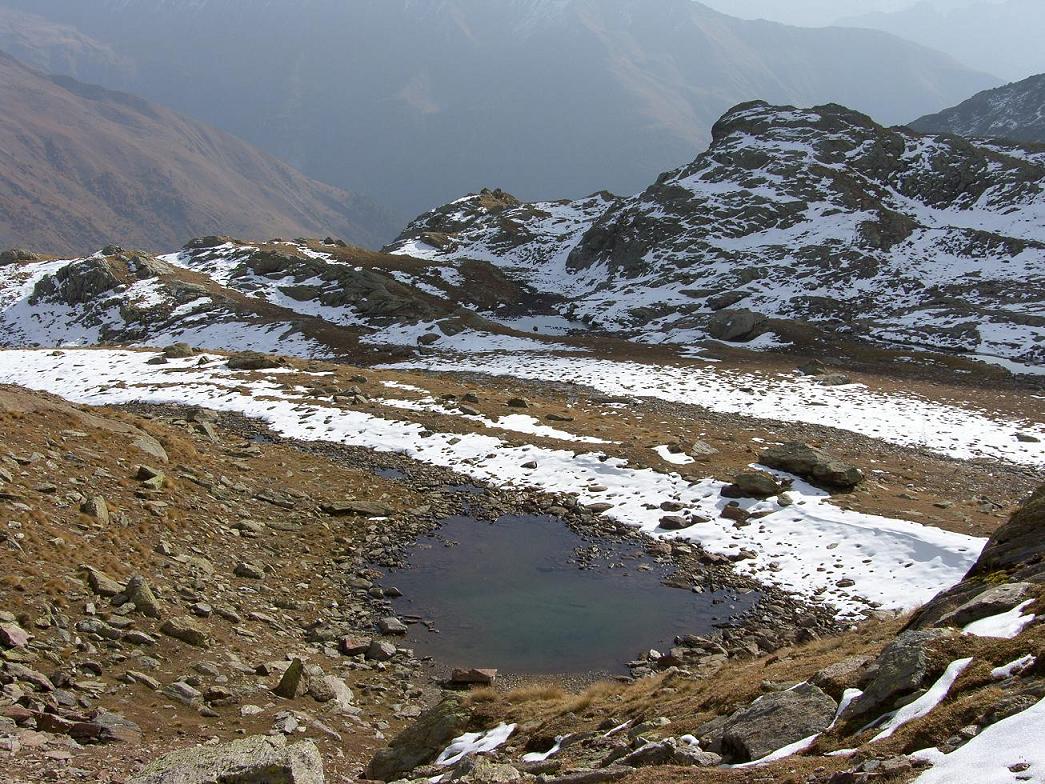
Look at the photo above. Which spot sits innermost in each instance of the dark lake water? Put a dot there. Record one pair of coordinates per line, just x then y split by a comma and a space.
506, 595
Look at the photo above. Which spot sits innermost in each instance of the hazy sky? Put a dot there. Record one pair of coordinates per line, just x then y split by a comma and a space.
818, 12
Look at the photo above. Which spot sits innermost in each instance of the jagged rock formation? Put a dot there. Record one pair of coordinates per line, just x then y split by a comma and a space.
819, 215
1015, 111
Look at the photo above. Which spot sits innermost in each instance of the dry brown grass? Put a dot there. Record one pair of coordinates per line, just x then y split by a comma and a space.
537, 692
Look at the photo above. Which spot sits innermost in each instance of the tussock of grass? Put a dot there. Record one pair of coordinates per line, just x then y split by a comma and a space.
537, 692
596, 693
483, 694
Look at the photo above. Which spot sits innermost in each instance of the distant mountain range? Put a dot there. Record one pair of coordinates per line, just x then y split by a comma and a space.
1015, 111
413, 101
1001, 37
82, 167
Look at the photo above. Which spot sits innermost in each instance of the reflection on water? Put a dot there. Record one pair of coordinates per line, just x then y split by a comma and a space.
506, 595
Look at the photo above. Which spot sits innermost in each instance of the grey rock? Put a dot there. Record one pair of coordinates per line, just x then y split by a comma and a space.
183, 692
392, 625
249, 571
776, 720
903, 667
187, 630
141, 596
13, 636
421, 742
813, 465
845, 674
101, 583
252, 360
255, 760
735, 325
333, 690
97, 508
754, 484
294, 681
474, 676
380, 650
669, 752
993, 601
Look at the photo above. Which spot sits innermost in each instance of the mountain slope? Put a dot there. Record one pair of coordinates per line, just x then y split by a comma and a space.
999, 37
81, 166
1015, 111
57, 48
415, 102
818, 215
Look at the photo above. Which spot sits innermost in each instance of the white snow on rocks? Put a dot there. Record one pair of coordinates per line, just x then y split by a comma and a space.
519, 423
1005, 625
904, 419
675, 458
1013, 667
474, 743
924, 704
875, 561
1008, 752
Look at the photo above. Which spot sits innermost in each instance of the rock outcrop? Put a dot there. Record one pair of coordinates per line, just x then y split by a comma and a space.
796, 214
813, 465
1010, 568
421, 742
256, 760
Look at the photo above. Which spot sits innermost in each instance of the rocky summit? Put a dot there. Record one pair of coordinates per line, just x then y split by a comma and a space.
791, 215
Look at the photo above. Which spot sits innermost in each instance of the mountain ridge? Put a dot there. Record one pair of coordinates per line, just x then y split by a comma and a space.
84, 166
1014, 111
797, 214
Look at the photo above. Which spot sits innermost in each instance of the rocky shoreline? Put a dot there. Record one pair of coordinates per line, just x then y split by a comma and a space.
777, 620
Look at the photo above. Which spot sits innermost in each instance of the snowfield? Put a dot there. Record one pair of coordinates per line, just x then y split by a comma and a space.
788, 547
903, 419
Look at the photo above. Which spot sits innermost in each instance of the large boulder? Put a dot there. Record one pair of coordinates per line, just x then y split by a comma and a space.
776, 720
16, 255
421, 742
753, 484
813, 465
903, 667
253, 360
736, 325
255, 760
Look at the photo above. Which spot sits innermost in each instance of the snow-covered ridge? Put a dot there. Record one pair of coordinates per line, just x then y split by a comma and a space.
818, 215
1014, 111
280, 297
